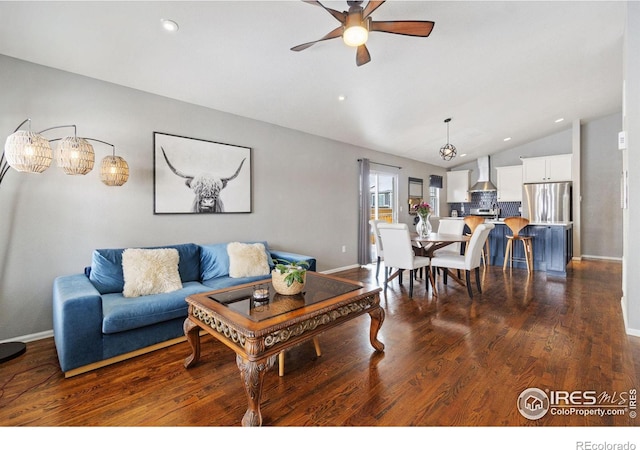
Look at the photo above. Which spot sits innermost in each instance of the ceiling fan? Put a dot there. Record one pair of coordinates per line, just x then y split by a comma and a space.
356, 24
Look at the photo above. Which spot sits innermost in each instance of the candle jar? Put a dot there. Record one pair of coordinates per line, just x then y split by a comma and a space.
261, 293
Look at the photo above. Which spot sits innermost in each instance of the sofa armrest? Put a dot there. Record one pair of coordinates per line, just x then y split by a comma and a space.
278, 254
77, 321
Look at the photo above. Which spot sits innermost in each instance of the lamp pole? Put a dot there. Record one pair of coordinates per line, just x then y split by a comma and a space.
9, 350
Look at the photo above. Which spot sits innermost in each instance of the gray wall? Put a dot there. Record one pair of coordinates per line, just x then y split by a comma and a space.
601, 167
305, 188
631, 165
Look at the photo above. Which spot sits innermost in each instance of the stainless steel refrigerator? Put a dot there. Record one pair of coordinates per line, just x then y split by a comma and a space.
547, 202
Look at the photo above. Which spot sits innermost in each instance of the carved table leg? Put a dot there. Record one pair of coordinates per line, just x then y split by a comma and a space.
252, 374
377, 317
192, 332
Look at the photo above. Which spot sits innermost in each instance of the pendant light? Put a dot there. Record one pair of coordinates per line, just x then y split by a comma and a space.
448, 151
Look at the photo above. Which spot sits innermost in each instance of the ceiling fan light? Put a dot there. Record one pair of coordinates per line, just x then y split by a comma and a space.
355, 36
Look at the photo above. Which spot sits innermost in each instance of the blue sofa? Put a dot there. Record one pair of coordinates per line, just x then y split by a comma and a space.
95, 325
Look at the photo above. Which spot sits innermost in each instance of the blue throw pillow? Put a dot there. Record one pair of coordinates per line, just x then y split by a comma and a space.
214, 260
106, 270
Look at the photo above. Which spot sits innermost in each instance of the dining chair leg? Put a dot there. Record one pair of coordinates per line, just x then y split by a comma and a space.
468, 278
445, 274
478, 280
386, 278
411, 283
433, 281
378, 268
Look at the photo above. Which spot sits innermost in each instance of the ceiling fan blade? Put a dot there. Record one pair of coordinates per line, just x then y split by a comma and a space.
331, 35
362, 55
340, 16
371, 7
420, 28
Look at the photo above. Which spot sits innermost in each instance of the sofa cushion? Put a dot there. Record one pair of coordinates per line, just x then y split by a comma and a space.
247, 260
214, 260
106, 267
122, 314
150, 271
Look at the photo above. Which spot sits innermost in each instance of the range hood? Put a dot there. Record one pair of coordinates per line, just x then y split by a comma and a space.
484, 184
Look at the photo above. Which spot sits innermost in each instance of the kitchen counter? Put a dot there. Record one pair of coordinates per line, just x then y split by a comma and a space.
552, 246
500, 221
552, 224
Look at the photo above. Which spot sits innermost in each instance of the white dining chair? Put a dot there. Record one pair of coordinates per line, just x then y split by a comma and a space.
398, 253
450, 226
378, 242
467, 262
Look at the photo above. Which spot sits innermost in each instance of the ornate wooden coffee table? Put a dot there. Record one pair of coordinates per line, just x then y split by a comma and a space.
259, 331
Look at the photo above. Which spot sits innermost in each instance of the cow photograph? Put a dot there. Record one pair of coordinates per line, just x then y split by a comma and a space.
194, 176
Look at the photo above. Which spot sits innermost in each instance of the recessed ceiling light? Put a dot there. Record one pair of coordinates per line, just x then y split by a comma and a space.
462, 156
507, 139
169, 25
559, 120
342, 98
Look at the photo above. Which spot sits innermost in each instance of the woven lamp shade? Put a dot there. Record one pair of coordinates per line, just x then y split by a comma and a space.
114, 171
75, 156
27, 151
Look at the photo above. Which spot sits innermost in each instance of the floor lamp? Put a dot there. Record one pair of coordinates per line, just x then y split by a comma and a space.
9, 350
31, 152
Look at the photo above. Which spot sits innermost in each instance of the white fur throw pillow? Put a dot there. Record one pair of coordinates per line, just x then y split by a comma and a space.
150, 271
247, 260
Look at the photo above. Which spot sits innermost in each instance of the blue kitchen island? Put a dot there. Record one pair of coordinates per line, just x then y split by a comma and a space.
552, 246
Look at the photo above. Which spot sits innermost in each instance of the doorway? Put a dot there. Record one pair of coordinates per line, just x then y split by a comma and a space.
384, 202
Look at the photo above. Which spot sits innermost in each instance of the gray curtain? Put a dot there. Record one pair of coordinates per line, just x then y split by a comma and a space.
364, 248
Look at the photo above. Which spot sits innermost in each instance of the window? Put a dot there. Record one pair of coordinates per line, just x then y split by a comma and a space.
434, 200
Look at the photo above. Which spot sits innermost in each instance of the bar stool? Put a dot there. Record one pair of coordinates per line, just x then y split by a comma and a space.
472, 222
516, 224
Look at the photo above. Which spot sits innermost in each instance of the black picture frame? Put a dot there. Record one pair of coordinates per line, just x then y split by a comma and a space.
196, 176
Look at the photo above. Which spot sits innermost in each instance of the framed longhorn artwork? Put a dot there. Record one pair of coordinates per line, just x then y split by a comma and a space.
194, 176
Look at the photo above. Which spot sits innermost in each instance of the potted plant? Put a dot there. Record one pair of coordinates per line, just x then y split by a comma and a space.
288, 277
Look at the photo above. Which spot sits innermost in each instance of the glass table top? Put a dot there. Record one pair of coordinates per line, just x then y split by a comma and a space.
316, 289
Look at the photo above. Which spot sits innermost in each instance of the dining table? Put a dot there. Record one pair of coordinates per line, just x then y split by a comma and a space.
427, 245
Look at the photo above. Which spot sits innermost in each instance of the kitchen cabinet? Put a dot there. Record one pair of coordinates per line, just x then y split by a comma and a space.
552, 247
546, 169
509, 183
458, 186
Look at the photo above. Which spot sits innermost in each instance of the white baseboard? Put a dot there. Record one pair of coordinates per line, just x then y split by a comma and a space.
630, 331
340, 269
603, 258
31, 337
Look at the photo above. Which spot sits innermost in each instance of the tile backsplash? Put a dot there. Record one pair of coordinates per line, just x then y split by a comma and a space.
486, 200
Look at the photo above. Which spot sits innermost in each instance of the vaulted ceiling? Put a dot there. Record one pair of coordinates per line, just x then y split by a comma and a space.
499, 69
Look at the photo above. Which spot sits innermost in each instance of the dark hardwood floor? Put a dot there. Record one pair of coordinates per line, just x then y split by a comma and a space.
449, 361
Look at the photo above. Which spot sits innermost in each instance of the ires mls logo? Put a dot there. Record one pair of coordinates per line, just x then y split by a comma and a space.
534, 403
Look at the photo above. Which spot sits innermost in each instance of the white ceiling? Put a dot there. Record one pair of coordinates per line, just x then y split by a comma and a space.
498, 69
